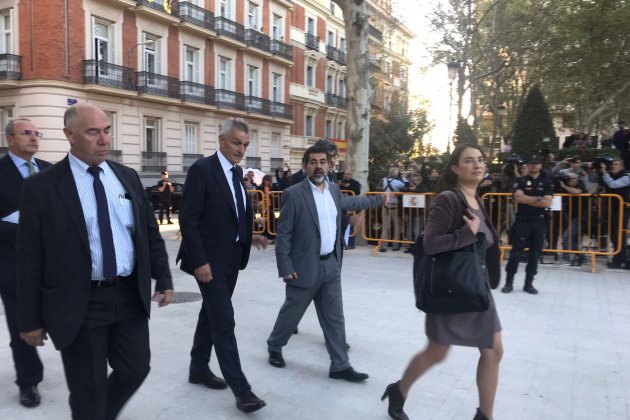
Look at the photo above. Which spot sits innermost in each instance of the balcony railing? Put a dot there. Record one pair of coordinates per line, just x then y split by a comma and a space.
165, 6
282, 49
372, 31
253, 162
229, 99
258, 105
276, 162
153, 161
335, 54
107, 74
195, 92
311, 41
257, 39
189, 159
115, 156
281, 110
10, 67
335, 100
157, 84
196, 15
229, 28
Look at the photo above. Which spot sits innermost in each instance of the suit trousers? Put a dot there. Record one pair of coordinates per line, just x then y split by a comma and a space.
215, 326
115, 331
28, 367
326, 293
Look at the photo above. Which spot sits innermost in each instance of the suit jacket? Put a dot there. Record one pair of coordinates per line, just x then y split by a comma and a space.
55, 263
208, 219
10, 194
446, 231
298, 239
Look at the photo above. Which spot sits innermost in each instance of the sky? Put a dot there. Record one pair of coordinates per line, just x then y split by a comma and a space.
428, 83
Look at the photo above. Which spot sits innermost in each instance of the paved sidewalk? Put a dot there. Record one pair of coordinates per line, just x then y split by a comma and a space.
567, 351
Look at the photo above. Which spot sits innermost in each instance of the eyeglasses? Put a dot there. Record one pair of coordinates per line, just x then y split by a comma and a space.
29, 132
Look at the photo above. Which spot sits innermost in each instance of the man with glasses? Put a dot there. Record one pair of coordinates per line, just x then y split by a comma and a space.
19, 163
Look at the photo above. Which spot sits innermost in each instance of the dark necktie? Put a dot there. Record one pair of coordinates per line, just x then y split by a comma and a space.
240, 206
104, 226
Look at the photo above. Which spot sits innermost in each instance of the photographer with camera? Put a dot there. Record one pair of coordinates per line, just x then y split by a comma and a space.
534, 194
573, 212
617, 181
391, 215
165, 189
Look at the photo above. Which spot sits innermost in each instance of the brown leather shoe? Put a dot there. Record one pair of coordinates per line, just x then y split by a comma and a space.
247, 402
208, 379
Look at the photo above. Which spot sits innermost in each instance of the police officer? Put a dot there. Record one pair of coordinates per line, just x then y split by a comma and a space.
533, 193
617, 181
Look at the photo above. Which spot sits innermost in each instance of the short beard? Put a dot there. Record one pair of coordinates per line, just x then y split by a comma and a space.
317, 179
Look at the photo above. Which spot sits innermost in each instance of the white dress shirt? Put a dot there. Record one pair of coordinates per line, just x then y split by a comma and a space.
21, 165
227, 171
327, 217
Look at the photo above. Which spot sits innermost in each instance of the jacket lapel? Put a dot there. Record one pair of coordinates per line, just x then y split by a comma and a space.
220, 179
70, 197
310, 202
15, 177
135, 200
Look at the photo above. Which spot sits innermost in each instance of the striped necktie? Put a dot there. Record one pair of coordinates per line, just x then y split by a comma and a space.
31, 168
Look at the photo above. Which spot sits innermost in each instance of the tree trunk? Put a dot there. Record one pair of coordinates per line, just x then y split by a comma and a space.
358, 88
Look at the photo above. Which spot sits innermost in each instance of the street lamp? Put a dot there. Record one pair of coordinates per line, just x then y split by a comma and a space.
131, 50
453, 71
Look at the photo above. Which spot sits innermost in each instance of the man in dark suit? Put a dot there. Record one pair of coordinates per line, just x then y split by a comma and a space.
216, 224
308, 253
92, 297
19, 163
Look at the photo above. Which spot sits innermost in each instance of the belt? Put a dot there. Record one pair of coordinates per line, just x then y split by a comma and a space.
530, 218
98, 284
325, 257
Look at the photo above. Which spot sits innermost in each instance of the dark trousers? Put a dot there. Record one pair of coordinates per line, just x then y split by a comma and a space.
115, 331
28, 366
215, 326
526, 233
614, 229
165, 207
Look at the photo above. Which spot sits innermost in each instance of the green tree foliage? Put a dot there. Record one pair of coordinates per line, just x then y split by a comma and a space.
464, 133
532, 124
394, 137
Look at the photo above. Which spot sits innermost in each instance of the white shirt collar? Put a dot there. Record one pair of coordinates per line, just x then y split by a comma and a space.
316, 187
18, 161
225, 164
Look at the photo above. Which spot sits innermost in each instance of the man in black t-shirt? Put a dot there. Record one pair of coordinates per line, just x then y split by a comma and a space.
534, 194
165, 188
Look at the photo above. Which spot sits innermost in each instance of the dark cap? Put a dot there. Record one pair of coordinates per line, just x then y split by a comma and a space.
535, 159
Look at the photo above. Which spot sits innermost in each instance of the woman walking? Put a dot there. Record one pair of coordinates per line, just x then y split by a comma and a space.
450, 227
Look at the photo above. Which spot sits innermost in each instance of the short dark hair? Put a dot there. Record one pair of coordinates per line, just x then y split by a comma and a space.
330, 146
313, 150
164, 173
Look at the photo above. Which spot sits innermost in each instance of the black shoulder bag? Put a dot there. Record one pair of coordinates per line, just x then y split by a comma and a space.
454, 281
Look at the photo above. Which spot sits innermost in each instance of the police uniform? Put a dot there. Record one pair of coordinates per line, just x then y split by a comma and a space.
624, 191
528, 231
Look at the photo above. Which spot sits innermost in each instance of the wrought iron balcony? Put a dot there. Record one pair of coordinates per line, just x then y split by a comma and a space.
115, 156
157, 84
165, 6
195, 92
229, 28
336, 101
10, 67
281, 110
153, 161
311, 41
258, 105
281, 49
107, 74
257, 39
372, 31
189, 159
196, 15
335, 54
229, 99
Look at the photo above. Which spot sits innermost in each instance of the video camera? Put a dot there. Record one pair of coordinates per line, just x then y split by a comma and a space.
515, 160
604, 160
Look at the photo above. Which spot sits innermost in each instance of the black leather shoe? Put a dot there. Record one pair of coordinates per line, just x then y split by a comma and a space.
247, 402
276, 359
208, 379
396, 401
349, 375
528, 288
507, 288
29, 396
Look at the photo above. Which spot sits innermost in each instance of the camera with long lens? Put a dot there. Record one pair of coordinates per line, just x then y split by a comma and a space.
600, 161
515, 160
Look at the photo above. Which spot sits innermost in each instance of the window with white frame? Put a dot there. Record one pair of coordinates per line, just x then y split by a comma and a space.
113, 140
191, 64
330, 84
310, 76
308, 126
277, 32
225, 8
252, 15
342, 44
252, 81
331, 38
340, 131
152, 134
276, 145
224, 75
151, 53
341, 91
252, 149
190, 137
329, 129
310, 26
6, 32
103, 40
276, 87
6, 113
